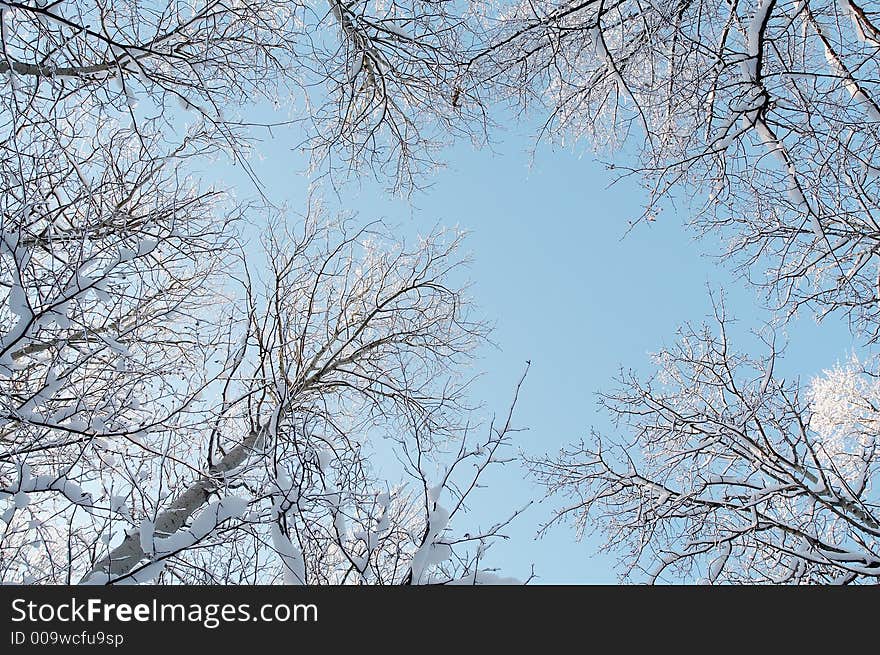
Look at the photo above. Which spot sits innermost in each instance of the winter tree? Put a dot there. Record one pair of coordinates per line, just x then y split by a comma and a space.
178, 405
726, 474
764, 114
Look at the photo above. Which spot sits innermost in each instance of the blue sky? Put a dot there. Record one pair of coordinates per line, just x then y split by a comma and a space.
566, 290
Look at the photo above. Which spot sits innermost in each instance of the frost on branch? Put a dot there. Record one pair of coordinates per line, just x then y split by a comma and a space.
845, 416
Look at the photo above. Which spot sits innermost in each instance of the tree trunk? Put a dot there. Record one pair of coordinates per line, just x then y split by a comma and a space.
129, 553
